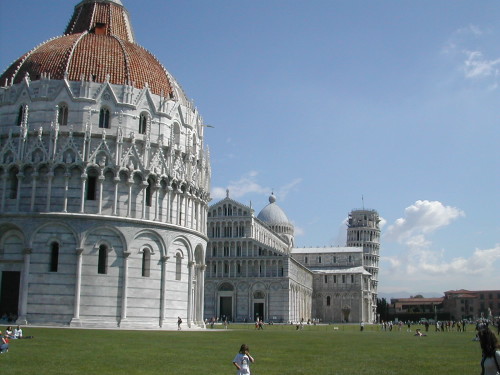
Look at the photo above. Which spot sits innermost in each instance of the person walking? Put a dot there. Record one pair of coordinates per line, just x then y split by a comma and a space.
179, 322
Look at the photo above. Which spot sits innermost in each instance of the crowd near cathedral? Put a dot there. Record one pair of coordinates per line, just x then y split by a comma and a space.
105, 210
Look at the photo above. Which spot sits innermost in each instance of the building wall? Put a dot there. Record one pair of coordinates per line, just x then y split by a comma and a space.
250, 263
80, 296
148, 192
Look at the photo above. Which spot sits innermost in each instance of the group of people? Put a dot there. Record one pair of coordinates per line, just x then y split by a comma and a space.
259, 324
8, 335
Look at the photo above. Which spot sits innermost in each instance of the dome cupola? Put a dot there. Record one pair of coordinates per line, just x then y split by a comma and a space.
277, 220
98, 46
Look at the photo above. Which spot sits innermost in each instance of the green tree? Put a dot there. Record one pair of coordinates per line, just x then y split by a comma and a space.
383, 309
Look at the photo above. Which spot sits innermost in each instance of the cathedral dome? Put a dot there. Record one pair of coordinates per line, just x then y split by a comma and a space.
98, 46
272, 214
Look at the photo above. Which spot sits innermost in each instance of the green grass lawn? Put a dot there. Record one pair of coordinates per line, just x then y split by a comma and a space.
277, 350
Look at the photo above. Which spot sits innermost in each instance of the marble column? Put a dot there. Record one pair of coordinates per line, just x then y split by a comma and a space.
78, 284
163, 294
123, 314
23, 300
190, 294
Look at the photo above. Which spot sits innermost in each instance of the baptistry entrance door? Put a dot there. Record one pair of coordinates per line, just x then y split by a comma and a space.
9, 294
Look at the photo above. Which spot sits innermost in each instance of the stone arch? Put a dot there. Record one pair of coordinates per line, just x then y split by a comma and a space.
88, 242
183, 242
226, 287
199, 254
55, 236
11, 236
149, 235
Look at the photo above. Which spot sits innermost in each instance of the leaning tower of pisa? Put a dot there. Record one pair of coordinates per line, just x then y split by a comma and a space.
363, 231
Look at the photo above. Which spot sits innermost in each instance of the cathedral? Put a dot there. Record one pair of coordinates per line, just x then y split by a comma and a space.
254, 271
104, 182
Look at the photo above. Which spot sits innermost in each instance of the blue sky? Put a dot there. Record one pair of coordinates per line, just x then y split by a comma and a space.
324, 102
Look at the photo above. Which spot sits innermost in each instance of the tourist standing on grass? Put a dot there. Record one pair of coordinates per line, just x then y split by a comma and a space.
242, 361
490, 363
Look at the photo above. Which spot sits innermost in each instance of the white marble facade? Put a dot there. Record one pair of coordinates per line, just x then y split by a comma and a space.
253, 270
104, 190
250, 274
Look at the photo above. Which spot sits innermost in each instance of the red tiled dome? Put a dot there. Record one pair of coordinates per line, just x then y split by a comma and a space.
102, 45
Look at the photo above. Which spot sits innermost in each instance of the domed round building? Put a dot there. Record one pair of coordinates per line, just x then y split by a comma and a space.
104, 182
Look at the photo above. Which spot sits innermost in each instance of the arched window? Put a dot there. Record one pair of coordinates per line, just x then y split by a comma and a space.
177, 134
149, 192
62, 117
54, 256
91, 185
20, 113
143, 123
102, 265
328, 300
104, 118
194, 144
146, 262
178, 267
14, 183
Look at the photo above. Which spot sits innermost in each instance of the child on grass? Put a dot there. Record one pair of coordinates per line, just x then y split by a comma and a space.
242, 360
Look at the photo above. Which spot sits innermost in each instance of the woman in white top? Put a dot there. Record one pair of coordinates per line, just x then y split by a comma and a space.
242, 361
490, 363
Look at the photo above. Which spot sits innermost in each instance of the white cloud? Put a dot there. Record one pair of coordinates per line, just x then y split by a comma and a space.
470, 49
421, 218
477, 66
248, 184
297, 230
470, 30
245, 185
283, 191
418, 264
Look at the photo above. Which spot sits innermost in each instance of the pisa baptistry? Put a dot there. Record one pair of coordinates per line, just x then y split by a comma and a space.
104, 182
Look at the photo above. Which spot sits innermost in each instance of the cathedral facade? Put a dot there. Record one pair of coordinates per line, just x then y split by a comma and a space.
255, 272
104, 182
250, 274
